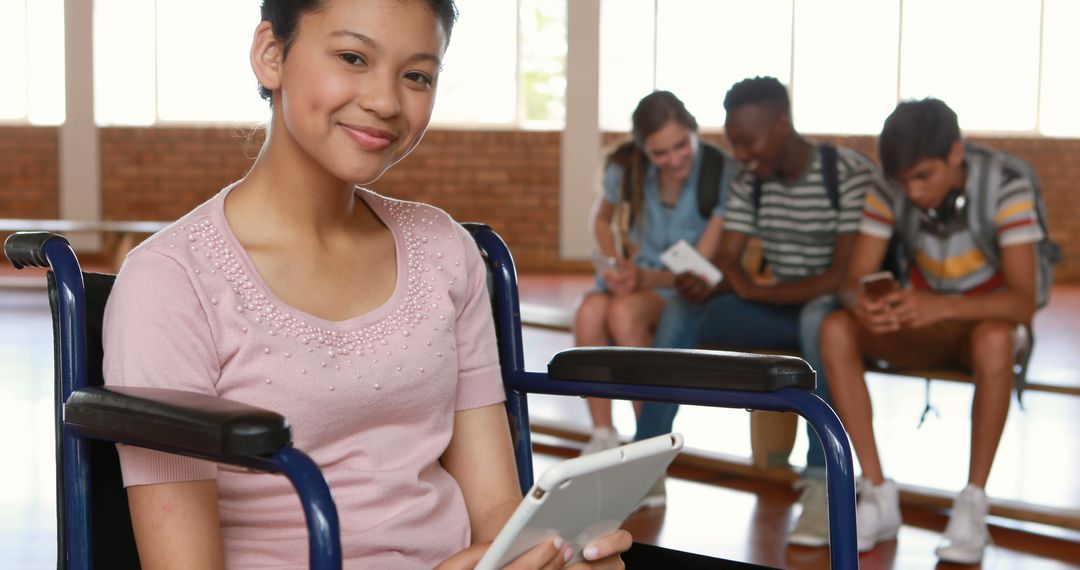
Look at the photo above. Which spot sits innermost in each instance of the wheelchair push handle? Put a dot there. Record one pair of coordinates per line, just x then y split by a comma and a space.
27, 249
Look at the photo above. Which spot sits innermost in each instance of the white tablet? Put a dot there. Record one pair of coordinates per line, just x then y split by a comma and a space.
683, 257
584, 498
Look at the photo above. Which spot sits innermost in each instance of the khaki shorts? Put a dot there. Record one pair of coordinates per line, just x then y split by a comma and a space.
941, 345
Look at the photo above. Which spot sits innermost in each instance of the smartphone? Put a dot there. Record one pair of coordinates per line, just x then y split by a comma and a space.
879, 284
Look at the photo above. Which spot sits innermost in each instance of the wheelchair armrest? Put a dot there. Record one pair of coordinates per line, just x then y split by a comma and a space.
27, 249
181, 422
682, 368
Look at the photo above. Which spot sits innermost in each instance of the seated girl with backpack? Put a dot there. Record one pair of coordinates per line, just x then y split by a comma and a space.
657, 190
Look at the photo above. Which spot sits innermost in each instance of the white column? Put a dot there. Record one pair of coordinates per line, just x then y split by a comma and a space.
581, 140
80, 172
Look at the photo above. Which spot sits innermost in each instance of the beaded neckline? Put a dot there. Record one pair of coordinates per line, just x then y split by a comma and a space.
404, 311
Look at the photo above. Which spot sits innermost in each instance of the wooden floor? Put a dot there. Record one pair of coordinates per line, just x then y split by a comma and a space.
708, 512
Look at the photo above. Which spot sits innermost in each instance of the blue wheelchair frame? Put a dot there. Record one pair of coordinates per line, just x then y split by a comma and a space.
76, 548
519, 383
79, 403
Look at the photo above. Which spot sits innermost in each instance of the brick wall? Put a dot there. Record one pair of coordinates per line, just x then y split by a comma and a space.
28, 172
508, 179
161, 173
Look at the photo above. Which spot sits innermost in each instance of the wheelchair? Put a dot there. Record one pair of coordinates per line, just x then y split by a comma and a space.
94, 527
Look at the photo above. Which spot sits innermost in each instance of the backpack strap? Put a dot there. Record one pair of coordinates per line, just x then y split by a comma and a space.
709, 179
984, 180
830, 174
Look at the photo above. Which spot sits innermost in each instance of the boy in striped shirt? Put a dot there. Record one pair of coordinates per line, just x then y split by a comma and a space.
807, 237
960, 308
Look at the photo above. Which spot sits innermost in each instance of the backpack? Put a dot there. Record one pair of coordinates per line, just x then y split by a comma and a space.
712, 172
708, 193
981, 209
708, 187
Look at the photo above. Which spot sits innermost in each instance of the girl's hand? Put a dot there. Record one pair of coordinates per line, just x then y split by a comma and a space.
603, 553
626, 278
548, 555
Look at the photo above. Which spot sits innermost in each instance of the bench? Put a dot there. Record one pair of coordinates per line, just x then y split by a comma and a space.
119, 236
772, 434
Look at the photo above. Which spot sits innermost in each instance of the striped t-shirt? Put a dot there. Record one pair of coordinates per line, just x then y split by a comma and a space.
796, 222
947, 257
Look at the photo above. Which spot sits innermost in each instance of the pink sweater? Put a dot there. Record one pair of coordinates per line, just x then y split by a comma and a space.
371, 399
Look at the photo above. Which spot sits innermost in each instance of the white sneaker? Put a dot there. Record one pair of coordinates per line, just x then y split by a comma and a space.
877, 514
966, 535
602, 438
812, 528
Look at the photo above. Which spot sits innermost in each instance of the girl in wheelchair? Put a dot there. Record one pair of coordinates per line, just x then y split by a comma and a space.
362, 319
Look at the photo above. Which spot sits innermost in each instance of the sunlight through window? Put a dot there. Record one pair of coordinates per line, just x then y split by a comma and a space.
986, 69
32, 61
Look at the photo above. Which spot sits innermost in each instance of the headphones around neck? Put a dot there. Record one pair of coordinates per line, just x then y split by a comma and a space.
952, 208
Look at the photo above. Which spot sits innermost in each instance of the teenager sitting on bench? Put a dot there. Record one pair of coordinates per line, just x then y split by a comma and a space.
804, 200
962, 307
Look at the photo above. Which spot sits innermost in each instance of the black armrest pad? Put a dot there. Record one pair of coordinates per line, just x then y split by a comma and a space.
25, 249
682, 368
172, 420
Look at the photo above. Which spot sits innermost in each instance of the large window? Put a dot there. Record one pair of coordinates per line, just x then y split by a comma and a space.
1003, 65
166, 61
506, 65
987, 69
844, 68
695, 40
32, 61
1059, 113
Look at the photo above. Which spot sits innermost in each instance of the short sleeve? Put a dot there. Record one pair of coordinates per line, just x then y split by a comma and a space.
861, 179
1015, 217
479, 376
612, 183
156, 334
878, 215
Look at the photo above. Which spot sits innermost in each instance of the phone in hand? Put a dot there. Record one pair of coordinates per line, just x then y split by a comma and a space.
877, 285
603, 263
683, 257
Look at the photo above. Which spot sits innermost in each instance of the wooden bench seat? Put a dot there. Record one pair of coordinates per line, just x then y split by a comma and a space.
772, 434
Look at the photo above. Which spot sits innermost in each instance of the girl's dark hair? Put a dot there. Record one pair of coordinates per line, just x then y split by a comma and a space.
284, 17
651, 114
916, 130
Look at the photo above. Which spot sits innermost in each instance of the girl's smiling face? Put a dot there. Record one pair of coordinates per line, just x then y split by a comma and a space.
356, 88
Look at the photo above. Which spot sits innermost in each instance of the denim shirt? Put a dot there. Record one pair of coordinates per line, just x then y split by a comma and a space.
660, 226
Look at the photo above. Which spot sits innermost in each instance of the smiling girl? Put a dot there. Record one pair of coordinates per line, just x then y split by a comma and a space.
362, 319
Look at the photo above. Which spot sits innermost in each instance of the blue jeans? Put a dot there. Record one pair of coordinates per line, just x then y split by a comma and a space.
732, 322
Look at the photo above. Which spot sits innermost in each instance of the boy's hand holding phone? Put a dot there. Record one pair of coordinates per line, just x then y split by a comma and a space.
874, 308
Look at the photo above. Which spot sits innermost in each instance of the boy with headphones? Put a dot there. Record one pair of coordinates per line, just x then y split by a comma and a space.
962, 306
